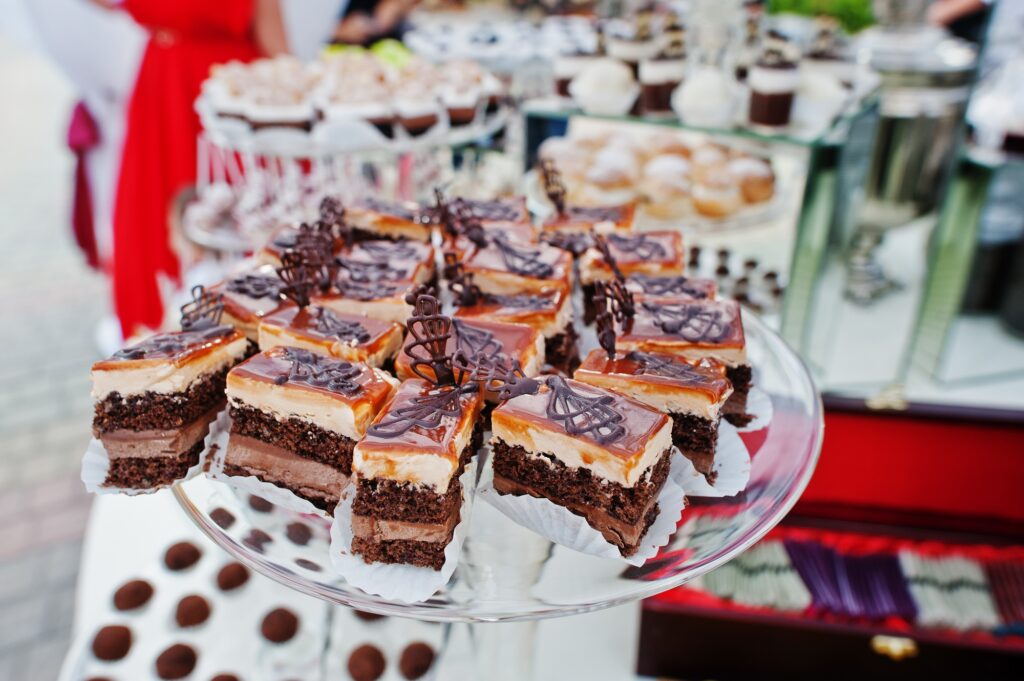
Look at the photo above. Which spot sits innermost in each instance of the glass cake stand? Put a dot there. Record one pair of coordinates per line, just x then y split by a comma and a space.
507, 573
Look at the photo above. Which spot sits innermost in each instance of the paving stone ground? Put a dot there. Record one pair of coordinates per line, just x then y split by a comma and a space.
50, 304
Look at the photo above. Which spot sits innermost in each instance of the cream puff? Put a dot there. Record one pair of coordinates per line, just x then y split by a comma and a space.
755, 178
666, 186
717, 195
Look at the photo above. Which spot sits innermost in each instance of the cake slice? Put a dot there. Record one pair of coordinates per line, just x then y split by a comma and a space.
647, 253
248, 297
371, 218
155, 400
692, 393
505, 266
383, 260
695, 330
350, 337
408, 496
383, 300
487, 211
486, 347
296, 417
599, 454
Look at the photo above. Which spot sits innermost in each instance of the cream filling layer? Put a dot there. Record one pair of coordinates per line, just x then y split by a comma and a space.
282, 467
577, 452
663, 398
163, 376
410, 465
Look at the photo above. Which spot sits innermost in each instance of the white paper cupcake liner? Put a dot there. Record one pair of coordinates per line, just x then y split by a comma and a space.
96, 464
759, 405
565, 528
404, 583
278, 496
732, 468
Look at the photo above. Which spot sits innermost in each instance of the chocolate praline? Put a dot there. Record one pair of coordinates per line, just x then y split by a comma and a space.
112, 642
279, 625
176, 662
226, 677
299, 533
366, 663
416, 660
259, 504
192, 611
368, 616
223, 517
182, 556
133, 594
232, 576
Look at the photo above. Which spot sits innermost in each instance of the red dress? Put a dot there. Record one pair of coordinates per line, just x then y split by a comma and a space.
159, 155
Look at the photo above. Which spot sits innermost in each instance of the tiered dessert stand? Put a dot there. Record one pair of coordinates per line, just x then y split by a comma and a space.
507, 574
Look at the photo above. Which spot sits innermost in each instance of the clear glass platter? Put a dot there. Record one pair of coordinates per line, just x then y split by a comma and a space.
508, 573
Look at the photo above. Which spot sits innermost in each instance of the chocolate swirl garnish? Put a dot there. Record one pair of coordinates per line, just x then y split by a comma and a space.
494, 210
460, 282
515, 383
668, 286
601, 244
640, 245
330, 324
396, 210
666, 366
553, 185
576, 243
478, 353
596, 213
203, 311
614, 304
429, 331
255, 286
442, 214
692, 322
367, 290
168, 344
378, 251
320, 371
424, 411
582, 414
298, 281
522, 259
378, 270
332, 219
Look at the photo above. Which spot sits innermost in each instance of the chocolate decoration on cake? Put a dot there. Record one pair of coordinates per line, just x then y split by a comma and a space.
601, 244
429, 331
663, 365
604, 320
640, 245
693, 323
332, 218
442, 214
374, 271
425, 411
576, 243
279, 625
596, 213
366, 290
295, 273
328, 323
460, 282
176, 662
321, 372
203, 311
168, 344
582, 414
479, 354
516, 383
383, 251
393, 209
256, 286
522, 259
493, 210
554, 187
669, 286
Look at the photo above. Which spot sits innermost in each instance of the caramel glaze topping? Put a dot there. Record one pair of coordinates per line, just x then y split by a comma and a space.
504, 210
714, 323
424, 419
250, 295
349, 382
705, 376
323, 324
620, 425
690, 287
484, 344
646, 246
180, 347
537, 261
402, 211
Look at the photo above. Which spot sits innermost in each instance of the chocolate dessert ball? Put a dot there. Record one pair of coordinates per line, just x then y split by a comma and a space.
182, 556
416, 660
257, 539
176, 662
280, 625
299, 533
366, 663
192, 611
133, 594
368, 616
112, 642
232, 576
307, 564
225, 677
223, 517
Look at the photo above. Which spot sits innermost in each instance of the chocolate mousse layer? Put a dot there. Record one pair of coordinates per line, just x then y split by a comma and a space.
148, 472
311, 480
561, 352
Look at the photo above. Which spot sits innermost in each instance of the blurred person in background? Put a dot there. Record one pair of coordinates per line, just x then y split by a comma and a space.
185, 38
367, 21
